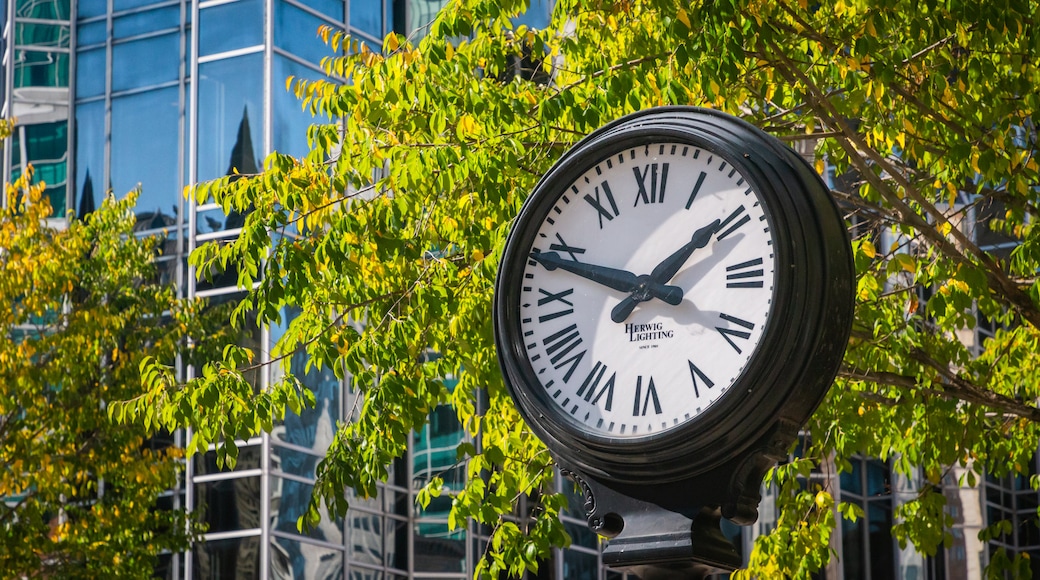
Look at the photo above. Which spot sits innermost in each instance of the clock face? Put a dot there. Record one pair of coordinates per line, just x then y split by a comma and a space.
647, 290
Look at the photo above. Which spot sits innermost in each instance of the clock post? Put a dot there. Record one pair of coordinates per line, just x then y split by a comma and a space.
673, 302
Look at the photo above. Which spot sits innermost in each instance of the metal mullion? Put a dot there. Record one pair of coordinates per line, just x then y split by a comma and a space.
227, 475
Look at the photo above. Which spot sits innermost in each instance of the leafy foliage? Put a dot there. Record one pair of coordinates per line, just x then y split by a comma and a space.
79, 308
395, 220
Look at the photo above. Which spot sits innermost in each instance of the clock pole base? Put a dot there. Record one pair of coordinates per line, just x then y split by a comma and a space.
653, 542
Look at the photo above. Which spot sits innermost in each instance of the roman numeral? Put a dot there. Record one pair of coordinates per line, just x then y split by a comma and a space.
653, 193
743, 275
559, 344
650, 395
563, 247
588, 390
740, 213
603, 212
696, 373
549, 298
696, 189
728, 332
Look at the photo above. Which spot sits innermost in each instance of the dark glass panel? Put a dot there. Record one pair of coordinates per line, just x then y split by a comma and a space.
145, 22
367, 17
580, 566
90, 76
230, 104
93, 33
145, 132
146, 62
852, 482
229, 504
34, 68
852, 549
231, 26
581, 535
248, 458
882, 550
233, 559
90, 156
294, 559
439, 550
879, 478
289, 500
395, 544
297, 32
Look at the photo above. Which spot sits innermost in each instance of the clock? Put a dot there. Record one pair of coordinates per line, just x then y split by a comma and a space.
675, 287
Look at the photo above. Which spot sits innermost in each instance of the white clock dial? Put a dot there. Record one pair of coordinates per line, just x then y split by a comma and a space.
648, 289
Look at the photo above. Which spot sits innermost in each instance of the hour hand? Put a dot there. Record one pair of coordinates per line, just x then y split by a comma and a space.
668, 267
620, 280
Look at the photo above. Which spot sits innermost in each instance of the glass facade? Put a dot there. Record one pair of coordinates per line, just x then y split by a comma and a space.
115, 95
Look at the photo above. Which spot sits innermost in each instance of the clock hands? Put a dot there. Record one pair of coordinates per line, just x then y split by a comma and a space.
640, 288
664, 272
620, 280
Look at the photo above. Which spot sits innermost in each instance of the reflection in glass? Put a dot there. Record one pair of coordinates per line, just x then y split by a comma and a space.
93, 33
46, 148
292, 461
41, 34
290, 120
289, 500
229, 504
440, 554
231, 26
366, 537
294, 560
538, 14
233, 559
145, 131
248, 458
230, 103
314, 427
35, 68
42, 9
146, 62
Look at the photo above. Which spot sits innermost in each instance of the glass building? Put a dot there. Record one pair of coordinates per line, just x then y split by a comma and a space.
112, 95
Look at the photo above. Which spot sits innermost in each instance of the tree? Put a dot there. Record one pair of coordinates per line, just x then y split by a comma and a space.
923, 110
80, 307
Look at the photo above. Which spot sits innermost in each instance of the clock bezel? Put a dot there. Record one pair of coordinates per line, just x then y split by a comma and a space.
763, 391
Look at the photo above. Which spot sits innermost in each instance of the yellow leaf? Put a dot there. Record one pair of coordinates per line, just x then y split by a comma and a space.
392, 43
478, 255
820, 166
684, 18
868, 249
449, 51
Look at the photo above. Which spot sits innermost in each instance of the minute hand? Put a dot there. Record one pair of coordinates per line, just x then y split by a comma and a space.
620, 280
668, 267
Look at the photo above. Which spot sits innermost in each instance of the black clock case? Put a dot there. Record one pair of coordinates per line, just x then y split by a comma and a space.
802, 346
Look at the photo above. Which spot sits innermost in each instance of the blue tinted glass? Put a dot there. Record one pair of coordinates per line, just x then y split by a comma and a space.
121, 5
144, 22
230, 26
88, 8
90, 73
538, 14
145, 132
92, 33
230, 130
367, 16
145, 63
331, 8
90, 156
290, 120
297, 32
